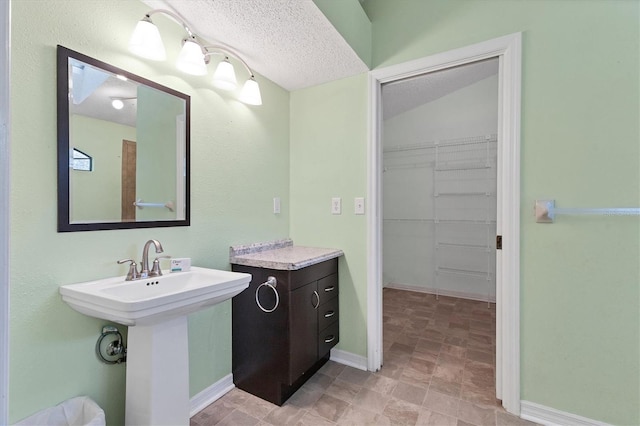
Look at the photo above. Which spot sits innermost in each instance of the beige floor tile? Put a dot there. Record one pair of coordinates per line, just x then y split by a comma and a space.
381, 384
438, 419
329, 407
371, 400
342, 390
304, 398
285, 415
353, 375
505, 419
476, 414
332, 369
401, 412
313, 419
356, 416
438, 370
409, 393
441, 403
238, 418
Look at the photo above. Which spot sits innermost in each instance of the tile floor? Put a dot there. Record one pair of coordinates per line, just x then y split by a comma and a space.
438, 370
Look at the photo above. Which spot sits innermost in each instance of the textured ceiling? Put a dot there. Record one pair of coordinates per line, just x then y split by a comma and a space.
403, 95
290, 42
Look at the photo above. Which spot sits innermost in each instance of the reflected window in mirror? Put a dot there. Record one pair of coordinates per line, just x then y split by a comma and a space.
133, 135
81, 161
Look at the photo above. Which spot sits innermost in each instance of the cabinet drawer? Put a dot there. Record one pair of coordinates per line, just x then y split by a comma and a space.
328, 338
327, 313
328, 288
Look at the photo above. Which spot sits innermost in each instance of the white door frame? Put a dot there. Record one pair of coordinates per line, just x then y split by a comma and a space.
508, 50
5, 55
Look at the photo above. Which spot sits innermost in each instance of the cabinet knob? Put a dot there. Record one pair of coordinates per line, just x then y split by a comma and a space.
315, 293
329, 314
331, 288
330, 338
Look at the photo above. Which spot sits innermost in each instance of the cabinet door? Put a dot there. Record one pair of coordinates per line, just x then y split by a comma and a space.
304, 329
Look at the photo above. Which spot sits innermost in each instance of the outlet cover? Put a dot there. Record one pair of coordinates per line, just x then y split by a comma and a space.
336, 205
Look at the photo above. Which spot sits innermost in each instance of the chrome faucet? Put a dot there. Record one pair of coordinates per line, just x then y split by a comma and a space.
145, 258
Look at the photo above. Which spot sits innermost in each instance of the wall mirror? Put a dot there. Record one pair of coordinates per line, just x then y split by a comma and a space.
123, 148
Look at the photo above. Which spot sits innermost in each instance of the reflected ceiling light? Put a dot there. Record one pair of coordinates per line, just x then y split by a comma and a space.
118, 103
194, 56
225, 77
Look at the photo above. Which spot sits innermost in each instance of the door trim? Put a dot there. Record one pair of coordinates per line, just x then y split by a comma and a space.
5, 165
509, 51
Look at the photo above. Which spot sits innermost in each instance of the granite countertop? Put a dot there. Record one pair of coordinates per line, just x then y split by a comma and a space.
280, 254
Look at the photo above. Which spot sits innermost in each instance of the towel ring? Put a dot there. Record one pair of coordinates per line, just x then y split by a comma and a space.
271, 283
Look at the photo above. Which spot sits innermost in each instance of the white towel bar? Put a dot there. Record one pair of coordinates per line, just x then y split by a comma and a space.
141, 204
546, 211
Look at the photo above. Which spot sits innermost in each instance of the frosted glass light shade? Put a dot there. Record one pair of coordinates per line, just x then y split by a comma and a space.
250, 93
191, 59
146, 42
225, 78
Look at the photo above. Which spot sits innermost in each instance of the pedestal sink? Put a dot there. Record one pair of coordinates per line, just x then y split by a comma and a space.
156, 311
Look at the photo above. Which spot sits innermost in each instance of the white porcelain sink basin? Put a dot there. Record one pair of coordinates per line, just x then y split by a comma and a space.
152, 300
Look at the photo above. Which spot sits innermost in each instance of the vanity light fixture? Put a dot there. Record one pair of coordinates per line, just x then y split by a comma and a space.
225, 77
191, 59
194, 56
146, 41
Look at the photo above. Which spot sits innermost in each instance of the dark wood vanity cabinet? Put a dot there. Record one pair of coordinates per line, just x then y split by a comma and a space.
274, 353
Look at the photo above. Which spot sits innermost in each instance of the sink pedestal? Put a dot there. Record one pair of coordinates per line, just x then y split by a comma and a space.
157, 390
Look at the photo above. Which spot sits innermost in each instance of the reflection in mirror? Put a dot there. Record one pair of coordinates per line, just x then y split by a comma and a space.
123, 148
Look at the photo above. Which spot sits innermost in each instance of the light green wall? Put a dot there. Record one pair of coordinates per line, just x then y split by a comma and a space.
580, 319
580, 278
328, 159
240, 161
348, 17
95, 195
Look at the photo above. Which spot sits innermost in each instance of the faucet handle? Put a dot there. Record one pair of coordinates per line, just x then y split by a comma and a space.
133, 273
155, 270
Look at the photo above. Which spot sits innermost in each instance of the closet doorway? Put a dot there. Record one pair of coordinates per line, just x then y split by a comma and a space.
506, 51
439, 158
439, 184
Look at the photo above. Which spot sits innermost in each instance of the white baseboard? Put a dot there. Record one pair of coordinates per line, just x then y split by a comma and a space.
211, 394
440, 292
550, 416
350, 359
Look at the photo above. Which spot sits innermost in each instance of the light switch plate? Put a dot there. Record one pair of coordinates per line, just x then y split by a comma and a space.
276, 205
336, 205
359, 205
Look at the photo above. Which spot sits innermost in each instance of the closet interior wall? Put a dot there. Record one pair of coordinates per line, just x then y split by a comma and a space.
439, 194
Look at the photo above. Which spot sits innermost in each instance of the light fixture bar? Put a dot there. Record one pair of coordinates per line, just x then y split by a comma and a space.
250, 93
175, 16
149, 45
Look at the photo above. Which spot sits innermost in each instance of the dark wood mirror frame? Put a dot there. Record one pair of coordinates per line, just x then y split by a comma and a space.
64, 222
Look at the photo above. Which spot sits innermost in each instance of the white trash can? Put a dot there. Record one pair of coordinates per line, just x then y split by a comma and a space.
80, 411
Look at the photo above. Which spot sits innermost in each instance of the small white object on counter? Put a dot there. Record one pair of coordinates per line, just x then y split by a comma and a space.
181, 264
